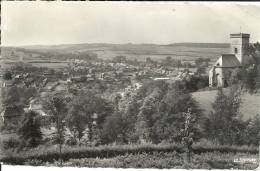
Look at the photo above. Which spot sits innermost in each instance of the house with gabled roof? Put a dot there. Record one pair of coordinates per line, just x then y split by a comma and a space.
221, 71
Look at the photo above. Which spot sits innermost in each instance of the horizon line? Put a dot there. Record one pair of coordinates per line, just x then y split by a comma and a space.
161, 44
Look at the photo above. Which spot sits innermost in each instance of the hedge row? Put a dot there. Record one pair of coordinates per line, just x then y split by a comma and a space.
112, 151
225, 149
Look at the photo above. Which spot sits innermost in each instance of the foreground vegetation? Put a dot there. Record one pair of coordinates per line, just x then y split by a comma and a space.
215, 160
205, 155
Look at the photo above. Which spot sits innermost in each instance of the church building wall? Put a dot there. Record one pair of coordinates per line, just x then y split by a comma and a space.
219, 77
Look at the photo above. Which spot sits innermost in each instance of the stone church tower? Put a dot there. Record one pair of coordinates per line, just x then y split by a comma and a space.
238, 46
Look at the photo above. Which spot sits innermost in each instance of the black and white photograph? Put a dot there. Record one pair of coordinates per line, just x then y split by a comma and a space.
140, 85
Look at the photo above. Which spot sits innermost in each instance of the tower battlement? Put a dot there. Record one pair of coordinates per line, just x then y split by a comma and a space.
239, 35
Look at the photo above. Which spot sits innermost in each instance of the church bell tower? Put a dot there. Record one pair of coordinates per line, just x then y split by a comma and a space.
238, 46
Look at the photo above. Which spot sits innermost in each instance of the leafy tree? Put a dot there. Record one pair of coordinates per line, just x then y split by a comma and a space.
252, 67
87, 110
187, 133
10, 97
251, 77
17, 96
237, 76
129, 107
145, 116
253, 54
217, 118
7, 75
252, 131
160, 116
171, 119
154, 114
30, 129
11, 100
195, 82
201, 70
56, 108
121, 124
225, 122
75, 121
114, 129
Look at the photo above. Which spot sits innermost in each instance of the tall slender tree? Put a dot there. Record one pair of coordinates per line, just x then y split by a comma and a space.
188, 132
56, 107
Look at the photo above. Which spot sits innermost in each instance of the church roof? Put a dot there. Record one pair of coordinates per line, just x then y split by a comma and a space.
228, 60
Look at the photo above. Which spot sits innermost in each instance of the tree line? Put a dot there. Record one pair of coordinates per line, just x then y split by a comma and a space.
156, 113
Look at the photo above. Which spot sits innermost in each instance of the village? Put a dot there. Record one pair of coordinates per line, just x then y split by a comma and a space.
120, 75
114, 77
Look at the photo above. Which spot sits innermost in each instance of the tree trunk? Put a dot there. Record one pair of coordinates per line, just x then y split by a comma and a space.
60, 156
188, 154
79, 141
90, 133
60, 141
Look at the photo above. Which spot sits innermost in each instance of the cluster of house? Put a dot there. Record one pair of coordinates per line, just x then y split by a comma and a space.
110, 71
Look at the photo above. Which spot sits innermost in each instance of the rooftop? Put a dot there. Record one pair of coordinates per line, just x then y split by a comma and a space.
229, 60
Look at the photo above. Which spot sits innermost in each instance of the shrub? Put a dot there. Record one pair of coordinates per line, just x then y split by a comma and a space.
71, 141
34, 162
11, 143
30, 129
51, 154
215, 160
7, 75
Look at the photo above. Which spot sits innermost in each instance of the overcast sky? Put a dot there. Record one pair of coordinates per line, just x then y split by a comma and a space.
27, 23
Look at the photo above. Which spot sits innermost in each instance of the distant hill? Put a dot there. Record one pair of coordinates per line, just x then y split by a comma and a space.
202, 45
184, 51
249, 105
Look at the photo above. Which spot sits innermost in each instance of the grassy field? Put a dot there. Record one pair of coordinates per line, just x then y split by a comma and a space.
54, 65
249, 107
181, 51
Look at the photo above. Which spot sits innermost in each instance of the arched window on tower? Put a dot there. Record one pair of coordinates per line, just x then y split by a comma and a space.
235, 50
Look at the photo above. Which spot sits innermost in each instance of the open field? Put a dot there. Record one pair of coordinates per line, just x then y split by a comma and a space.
42, 63
182, 51
54, 65
249, 106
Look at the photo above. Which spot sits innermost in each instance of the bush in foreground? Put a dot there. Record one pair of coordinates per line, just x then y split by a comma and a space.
215, 160
51, 154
